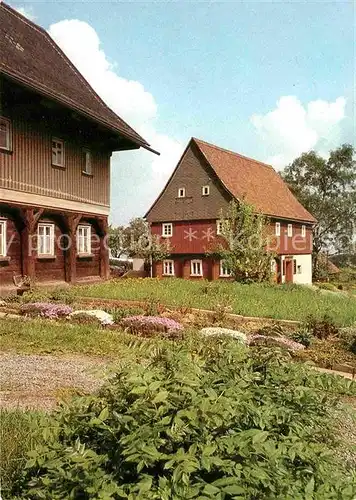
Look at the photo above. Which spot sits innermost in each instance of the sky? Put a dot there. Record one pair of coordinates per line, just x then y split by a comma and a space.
269, 80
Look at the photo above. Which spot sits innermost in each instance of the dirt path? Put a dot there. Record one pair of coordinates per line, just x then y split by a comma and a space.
31, 381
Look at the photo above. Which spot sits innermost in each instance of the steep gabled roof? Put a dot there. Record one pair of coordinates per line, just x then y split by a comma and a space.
255, 182
30, 56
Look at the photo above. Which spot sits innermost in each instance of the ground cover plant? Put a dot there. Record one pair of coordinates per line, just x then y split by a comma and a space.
280, 302
196, 421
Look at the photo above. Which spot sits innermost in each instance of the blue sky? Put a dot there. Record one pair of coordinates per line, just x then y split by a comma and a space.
266, 79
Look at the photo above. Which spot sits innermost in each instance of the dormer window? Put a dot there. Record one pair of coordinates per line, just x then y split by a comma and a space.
205, 190
87, 162
57, 152
303, 231
5, 134
181, 193
278, 229
290, 230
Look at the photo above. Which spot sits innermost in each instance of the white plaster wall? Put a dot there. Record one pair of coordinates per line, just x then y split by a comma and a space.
305, 278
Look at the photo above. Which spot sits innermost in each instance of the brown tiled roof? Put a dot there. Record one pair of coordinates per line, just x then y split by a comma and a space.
30, 56
258, 183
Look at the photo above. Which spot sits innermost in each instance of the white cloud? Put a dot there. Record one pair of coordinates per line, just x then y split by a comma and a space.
27, 12
292, 128
132, 102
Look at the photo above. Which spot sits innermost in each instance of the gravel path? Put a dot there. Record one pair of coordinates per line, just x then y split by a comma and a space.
29, 381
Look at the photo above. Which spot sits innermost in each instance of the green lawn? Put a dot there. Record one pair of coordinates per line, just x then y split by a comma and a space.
278, 302
47, 337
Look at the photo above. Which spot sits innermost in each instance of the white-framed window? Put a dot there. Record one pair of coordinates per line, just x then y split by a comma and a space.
84, 240
299, 269
224, 272
167, 229
168, 267
5, 133
181, 193
219, 226
290, 230
303, 231
278, 229
196, 268
57, 152
2, 238
87, 169
45, 238
205, 190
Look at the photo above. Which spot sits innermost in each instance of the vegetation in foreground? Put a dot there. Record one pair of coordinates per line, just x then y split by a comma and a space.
195, 421
279, 302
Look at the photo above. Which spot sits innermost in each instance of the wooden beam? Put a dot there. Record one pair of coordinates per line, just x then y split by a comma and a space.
71, 252
30, 218
104, 250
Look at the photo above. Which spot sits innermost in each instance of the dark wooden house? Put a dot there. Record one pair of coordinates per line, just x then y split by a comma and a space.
187, 213
56, 140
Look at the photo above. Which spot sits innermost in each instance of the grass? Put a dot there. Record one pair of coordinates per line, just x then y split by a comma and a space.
45, 337
18, 435
291, 302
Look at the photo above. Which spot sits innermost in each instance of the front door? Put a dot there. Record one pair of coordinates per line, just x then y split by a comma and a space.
289, 270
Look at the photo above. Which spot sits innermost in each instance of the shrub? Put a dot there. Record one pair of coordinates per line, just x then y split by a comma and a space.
348, 336
198, 424
322, 328
148, 325
82, 318
35, 295
46, 310
303, 336
153, 307
63, 295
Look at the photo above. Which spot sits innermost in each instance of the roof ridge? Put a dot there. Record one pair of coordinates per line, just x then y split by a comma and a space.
69, 63
229, 151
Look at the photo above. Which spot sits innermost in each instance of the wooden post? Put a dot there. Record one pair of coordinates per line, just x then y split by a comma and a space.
30, 218
104, 250
71, 252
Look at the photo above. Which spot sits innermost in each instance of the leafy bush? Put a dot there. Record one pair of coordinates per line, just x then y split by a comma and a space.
322, 328
82, 318
195, 423
153, 307
63, 295
46, 310
35, 295
148, 325
348, 335
303, 336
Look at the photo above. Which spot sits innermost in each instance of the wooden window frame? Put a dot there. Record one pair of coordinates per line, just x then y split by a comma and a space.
8, 125
50, 252
88, 162
3, 241
277, 229
223, 272
304, 231
207, 188
290, 230
85, 248
166, 225
183, 192
170, 264
60, 141
192, 264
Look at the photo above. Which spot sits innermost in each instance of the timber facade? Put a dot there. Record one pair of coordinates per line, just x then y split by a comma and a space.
56, 140
187, 214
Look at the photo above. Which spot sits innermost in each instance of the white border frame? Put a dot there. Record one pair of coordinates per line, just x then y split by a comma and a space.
51, 226
179, 190
207, 188
196, 261
168, 261
8, 135
170, 225
87, 237
57, 139
3, 247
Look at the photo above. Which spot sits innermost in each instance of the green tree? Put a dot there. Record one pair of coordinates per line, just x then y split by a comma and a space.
327, 188
246, 240
136, 240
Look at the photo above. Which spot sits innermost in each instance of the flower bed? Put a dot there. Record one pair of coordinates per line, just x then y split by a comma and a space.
149, 325
46, 310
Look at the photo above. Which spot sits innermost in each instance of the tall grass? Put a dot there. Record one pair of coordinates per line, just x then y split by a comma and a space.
18, 434
278, 302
